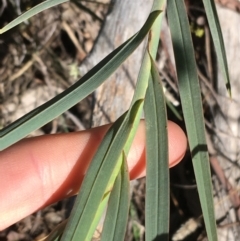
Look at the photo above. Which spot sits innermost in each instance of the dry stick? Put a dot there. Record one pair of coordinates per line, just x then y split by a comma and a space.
230, 189
217, 131
67, 28
208, 53
75, 120
26, 66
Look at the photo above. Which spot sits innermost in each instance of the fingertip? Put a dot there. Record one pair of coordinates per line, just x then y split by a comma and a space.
177, 143
59, 165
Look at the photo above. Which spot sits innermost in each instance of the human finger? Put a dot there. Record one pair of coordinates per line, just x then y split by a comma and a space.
39, 171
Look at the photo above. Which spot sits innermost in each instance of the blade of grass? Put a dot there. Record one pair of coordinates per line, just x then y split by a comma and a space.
102, 171
117, 212
157, 177
151, 220
83, 87
192, 108
30, 13
216, 32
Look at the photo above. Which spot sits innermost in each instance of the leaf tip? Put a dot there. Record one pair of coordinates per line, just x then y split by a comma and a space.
229, 90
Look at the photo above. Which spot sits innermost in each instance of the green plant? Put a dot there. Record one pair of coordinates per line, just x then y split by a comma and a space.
110, 157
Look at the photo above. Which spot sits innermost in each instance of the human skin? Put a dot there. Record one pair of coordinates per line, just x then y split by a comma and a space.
39, 171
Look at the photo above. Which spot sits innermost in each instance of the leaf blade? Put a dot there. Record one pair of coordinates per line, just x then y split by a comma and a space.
217, 37
157, 176
192, 109
30, 13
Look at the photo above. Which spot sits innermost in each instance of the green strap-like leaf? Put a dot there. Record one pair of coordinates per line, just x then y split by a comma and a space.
30, 13
217, 39
157, 177
117, 212
102, 171
152, 221
87, 84
192, 108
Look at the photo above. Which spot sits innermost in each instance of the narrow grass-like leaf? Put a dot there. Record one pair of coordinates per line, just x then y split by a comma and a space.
192, 108
30, 13
216, 32
157, 177
102, 171
151, 220
117, 212
87, 84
